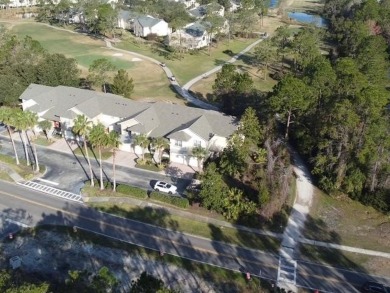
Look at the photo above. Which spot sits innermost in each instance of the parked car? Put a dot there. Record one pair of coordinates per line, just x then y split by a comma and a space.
165, 187
194, 185
173, 78
373, 287
162, 64
264, 35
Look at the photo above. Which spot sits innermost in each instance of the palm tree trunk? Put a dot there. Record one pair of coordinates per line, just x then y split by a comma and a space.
34, 151
25, 148
35, 157
288, 124
113, 171
89, 162
101, 169
13, 145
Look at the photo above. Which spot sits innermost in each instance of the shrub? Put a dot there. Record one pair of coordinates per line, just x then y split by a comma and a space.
152, 37
153, 167
132, 191
173, 200
106, 184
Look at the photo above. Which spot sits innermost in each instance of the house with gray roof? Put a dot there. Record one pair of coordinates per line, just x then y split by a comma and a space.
192, 36
146, 25
126, 19
184, 127
201, 11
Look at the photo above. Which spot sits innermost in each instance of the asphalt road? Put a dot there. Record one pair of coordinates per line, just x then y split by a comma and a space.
70, 171
28, 207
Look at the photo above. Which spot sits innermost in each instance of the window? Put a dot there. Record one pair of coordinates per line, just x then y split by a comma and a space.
178, 143
197, 143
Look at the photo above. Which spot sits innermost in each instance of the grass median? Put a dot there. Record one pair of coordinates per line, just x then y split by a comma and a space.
162, 218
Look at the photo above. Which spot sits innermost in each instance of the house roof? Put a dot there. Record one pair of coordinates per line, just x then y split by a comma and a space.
156, 119
180, 135
195, 29
148, 21
202, 10
127, 15
199, 11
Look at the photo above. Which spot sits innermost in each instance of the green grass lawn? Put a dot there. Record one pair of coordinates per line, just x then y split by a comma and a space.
149, 80
22, 169
191, 65
347, 222
42, 140
164, 219
94, 152
83, 48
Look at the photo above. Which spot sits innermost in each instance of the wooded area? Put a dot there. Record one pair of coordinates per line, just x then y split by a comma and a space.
331, 101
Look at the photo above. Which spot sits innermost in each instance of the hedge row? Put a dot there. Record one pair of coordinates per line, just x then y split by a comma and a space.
132, 191
173, 200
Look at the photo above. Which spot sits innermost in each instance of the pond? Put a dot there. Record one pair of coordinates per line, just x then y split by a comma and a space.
273, 3
307, 18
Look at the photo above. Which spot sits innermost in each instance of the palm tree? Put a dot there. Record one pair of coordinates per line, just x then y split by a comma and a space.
45, 125
82, 127
21, 125
143, 141
199, 153
32, 121
113, 140
160, 144
98, 138
7, 116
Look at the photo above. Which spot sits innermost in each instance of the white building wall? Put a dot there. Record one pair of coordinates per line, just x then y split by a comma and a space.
106, 120
161, 29
217, 143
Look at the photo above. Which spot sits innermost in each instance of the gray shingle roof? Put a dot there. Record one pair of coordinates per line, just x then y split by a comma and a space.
195, 29
156, 119
180, 135
147, 21
199, 11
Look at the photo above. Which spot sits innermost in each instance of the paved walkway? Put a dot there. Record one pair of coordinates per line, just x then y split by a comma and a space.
295, 224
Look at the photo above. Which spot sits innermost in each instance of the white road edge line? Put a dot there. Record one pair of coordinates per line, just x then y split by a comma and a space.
48, 181
23, 225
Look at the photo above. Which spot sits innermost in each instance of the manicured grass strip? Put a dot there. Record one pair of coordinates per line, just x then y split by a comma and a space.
192, 64
227, 281
93, 152
163, 219
42, 141
22, 169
